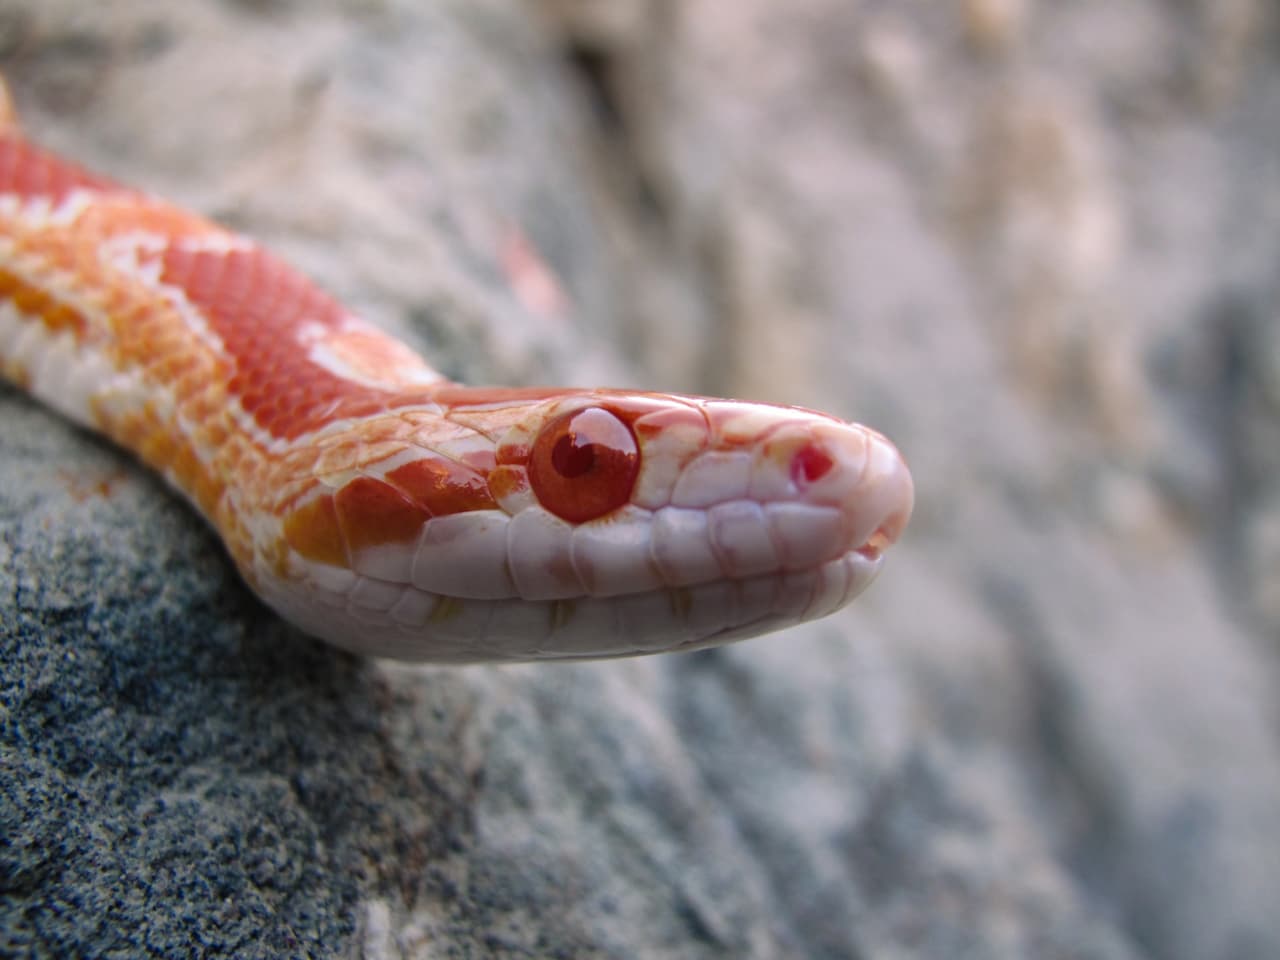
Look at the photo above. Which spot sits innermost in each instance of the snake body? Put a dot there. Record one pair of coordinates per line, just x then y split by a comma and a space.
389, 511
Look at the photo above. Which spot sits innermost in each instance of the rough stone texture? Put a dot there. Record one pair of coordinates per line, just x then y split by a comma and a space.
1035, 242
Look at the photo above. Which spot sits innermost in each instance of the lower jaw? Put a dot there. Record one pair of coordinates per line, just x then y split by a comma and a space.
671, 619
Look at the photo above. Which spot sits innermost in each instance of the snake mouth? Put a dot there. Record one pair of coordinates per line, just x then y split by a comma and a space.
666, 619
887, 534
800, 598
715, 614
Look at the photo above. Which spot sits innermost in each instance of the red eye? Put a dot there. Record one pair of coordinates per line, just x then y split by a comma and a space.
584, 464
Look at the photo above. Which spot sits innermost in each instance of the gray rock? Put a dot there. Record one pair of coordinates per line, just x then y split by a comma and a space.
1034, 243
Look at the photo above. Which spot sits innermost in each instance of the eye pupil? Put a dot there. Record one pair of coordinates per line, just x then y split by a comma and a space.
572, 457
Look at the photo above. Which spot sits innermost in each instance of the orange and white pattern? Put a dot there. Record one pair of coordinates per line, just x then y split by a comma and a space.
389, 511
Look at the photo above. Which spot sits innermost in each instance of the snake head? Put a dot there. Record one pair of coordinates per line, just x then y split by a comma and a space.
529, 525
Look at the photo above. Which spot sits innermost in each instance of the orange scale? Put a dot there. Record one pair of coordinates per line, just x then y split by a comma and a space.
305, 421
197, 359
291, 477
358, 406
186, 467
268, 377
442, 486
120, 302
313, 531
9, 282
203, 274
158, 447
374, 451
267, 420
508, 481
146, 347
251, 477
208, 490
397, 429
232, 455
125, 319
129, 431
201, 379
167, 368
286, 495
372, 514
159, 337
27, 170
233, 338
514, 453
231, 333
269, 411
275, 304
286, 392
286, 410
62, 316
263, 359
262, 391
314, 381
306, 379
209, 272
338, 458
176, 269
29, 300
278, 423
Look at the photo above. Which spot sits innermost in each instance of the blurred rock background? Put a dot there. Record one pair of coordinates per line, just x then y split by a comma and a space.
1036, 243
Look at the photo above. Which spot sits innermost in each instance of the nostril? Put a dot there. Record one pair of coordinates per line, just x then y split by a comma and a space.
810, 464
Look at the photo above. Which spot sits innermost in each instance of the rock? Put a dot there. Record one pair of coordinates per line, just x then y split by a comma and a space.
1033, 243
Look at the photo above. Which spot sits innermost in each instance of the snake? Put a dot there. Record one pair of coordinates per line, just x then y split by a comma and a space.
381, 507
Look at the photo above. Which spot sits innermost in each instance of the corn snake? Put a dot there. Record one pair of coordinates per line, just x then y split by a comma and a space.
389, 511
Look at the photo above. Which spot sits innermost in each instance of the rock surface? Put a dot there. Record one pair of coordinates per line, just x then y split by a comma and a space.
1035, 243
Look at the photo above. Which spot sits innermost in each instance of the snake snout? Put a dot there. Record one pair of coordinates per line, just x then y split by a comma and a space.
852, 470
883, 498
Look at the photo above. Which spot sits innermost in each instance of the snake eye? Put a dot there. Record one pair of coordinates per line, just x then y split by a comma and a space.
584, 464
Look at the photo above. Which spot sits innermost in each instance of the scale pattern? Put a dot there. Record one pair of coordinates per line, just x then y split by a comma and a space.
389, 511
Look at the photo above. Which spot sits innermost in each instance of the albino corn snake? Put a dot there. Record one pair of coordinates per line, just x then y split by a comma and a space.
389, 511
